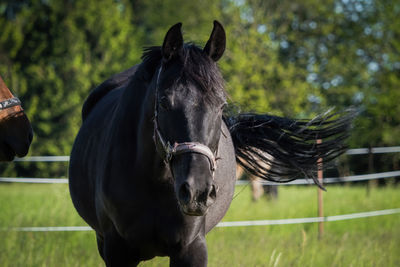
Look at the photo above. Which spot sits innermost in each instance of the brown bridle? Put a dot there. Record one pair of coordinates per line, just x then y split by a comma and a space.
168, 151
10, 108
10, 105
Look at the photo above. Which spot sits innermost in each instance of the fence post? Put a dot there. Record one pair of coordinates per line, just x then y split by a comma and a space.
320, 198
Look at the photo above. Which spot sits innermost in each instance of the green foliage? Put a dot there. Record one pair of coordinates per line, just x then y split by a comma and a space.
287, 58
348, 52
55, 53
256, 79
157, 16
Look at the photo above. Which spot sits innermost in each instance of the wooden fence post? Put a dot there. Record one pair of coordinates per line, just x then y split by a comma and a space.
320, 198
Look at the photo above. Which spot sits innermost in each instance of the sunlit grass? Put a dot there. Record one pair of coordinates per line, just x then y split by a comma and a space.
371, 241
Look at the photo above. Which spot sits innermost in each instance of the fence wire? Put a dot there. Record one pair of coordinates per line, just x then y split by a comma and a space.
230, 224
354, 151
352, 178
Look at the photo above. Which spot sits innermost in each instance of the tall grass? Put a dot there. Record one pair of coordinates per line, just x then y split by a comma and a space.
371, 241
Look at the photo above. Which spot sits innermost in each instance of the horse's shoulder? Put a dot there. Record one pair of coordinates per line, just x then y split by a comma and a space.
103, 89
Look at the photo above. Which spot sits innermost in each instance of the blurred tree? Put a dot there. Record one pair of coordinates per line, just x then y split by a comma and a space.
157, 16
284, 57
380, 121
348, 53
256, 78
53, 53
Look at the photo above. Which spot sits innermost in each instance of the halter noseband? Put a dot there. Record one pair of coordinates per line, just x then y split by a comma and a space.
168, 151
9, 103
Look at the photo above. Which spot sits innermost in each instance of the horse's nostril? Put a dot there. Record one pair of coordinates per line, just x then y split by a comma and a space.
213, 192
185, 194
211, 196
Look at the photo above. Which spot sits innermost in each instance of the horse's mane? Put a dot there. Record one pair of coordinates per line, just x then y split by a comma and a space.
198, 68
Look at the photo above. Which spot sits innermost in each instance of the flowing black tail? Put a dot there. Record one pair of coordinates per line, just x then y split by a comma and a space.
281, 149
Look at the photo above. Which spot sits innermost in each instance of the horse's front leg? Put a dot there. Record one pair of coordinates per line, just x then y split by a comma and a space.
194, 254
116, 252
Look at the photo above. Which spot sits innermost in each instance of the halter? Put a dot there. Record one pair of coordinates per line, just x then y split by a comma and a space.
9, 103
168, 151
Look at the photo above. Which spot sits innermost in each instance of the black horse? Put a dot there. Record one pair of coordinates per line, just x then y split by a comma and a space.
153, 167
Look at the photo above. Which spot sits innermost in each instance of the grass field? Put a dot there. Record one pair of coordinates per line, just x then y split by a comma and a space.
371, 241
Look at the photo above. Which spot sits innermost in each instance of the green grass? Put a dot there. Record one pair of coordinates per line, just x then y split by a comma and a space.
371, 241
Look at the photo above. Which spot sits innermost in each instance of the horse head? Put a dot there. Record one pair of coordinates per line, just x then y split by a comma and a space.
189, 101
15, 128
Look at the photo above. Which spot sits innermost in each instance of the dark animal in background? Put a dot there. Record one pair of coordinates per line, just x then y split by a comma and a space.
15, 128
258, 189
152, 169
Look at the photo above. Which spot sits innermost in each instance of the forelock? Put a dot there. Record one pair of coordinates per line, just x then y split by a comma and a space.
198, 70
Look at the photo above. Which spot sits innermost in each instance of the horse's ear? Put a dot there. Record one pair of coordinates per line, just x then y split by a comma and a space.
215, 46
173, 42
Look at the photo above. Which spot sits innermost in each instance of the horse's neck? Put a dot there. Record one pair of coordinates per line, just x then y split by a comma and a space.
135, 124
137, 99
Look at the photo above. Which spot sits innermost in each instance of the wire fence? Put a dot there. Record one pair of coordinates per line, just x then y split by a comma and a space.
355, 151
353, 178
230, 224
373, 150
44, 159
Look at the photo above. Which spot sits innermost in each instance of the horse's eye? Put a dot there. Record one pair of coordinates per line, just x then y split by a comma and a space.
164, 103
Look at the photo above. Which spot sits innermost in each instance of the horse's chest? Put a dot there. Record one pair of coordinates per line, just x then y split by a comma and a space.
169, 234
152, 218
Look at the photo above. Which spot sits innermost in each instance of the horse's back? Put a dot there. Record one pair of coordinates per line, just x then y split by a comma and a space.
103, 89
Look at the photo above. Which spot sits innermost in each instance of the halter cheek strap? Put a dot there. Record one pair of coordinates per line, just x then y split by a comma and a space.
167, 151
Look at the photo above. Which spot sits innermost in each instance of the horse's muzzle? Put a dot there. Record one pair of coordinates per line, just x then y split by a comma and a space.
196, 203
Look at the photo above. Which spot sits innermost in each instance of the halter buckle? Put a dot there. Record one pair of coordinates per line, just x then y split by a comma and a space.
169, 152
